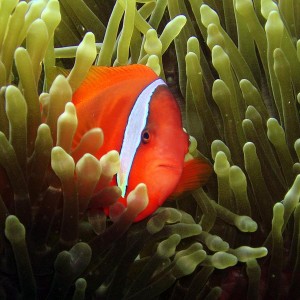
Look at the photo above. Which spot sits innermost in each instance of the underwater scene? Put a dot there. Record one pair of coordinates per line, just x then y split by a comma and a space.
149, 149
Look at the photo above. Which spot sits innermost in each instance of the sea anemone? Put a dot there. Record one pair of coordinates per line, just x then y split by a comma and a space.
234, 65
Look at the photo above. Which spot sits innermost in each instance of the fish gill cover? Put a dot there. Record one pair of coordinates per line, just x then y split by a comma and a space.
236, 64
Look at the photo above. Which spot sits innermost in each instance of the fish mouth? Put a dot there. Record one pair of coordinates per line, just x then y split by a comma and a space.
169, 166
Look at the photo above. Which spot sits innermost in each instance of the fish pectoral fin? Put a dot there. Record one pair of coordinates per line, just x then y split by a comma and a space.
195, 174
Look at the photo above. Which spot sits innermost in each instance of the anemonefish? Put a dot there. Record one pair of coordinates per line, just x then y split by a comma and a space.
141, 119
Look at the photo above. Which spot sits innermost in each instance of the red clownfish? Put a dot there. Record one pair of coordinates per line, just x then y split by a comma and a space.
141, 119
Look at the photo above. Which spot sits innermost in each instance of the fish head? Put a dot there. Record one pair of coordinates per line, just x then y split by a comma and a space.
159, 158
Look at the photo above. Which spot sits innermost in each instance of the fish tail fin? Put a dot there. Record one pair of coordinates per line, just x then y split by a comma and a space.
195, 174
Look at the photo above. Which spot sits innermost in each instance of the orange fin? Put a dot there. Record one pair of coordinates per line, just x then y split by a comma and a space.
195, 174
99, 78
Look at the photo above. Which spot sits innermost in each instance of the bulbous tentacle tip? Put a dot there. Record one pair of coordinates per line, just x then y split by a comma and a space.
221, 260
245, 224
245, 253
137, 199
167, 247
186, 263
161, 218
14, 229
110, 163
62, 163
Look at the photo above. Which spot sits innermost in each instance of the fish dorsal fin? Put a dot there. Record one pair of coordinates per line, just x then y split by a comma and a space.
99, 78
195, 174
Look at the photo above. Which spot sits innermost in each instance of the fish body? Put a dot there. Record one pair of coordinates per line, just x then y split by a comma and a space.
141, 119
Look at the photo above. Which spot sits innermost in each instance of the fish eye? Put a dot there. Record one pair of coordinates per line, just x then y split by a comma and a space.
145, 136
